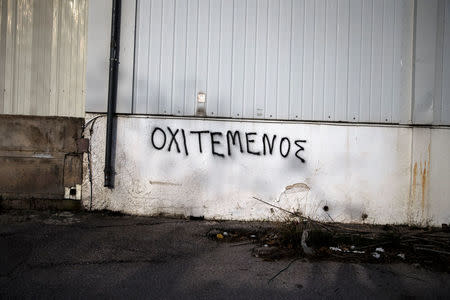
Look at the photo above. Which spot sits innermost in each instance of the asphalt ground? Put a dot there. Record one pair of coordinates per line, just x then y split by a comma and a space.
57, 255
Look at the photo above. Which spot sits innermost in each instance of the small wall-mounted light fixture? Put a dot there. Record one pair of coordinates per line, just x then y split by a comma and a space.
201, 104
201, 97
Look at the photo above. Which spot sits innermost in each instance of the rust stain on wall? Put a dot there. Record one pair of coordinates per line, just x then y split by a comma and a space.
424, 186
414, 180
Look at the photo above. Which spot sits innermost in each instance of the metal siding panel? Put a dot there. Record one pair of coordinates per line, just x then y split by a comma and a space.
154, 61
34, 70
141, 80
191, 58
354, 64
238, 64
397, 64
167, 56
296, 72
215, 16
126, 66
308, 61
179, 60
53, 105
319, 59
225, 59
250, 59
202, 49
32, 52
261, 54
9, 18
366, 59
376, 75
387, 66
313, 60
342, 61
425, 61
406, 25
272, 60
74, 66
284, 59
445, 101
62, 71
330, 60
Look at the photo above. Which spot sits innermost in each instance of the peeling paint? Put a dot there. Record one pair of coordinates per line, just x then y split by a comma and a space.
298, 186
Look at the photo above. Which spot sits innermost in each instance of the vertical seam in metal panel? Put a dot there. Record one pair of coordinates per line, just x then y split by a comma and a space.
370, 64
360, 62
16, 49
290, 60
277, 63
313, 58
393, 62
185, 57
78, 112
160, 55
245, 51
335, 63
445, 34
196, 55
347, 118
303, 60
147, 99
266, 66
324, 61
207, 54
173, 55
219, 59
232, 54
413, 65
135, 52
382, 46
254, 66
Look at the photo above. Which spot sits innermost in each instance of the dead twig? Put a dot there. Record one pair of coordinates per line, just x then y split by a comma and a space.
432, 250
303, 218
282, 270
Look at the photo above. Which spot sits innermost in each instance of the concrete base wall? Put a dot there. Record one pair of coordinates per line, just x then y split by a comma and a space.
331, 172
39, 158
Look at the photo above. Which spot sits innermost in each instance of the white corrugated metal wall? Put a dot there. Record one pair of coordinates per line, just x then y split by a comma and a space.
376, 61
288, 59
443, 95
42, 57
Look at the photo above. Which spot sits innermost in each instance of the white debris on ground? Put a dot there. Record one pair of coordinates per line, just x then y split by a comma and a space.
376, 255
401, 255
306, 249
379, 249
335, 249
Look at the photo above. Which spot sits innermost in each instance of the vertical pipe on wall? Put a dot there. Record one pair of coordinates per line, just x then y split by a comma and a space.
112, 89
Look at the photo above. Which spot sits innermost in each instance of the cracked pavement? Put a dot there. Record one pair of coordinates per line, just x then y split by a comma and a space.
86, 255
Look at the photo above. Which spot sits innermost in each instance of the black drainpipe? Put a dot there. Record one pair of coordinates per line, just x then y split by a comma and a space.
112, 88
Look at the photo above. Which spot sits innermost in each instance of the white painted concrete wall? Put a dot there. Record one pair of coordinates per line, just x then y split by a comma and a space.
383, 172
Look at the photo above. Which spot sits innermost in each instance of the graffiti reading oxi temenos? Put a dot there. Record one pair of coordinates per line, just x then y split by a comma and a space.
247, 142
